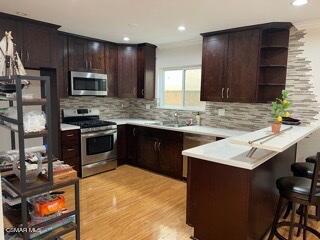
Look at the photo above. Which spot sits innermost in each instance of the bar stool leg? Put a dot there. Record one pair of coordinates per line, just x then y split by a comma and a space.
289, 207
294, 207
300, 221
306, 214
276, 218
318, 212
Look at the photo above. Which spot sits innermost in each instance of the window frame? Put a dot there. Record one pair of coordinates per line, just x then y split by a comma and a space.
162, 89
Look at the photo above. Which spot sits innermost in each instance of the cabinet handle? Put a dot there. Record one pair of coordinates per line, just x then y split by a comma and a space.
134, 91
159, 144
70, 135
90, 64
222, 92
155, 146
134, 131
228, 89
70, 149
142, 92
86, 63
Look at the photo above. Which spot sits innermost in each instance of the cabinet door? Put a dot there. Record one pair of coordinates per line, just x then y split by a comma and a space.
147, 154
96, 60
213, 67
122, 144
170, 153
243, 62
111, 56
146, 71
62, 66
78, 54
7, 25
127, 71
38, 46
132, 143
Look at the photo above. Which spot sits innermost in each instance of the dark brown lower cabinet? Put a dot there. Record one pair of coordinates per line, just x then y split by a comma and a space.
225, 202
152, 149
70, 151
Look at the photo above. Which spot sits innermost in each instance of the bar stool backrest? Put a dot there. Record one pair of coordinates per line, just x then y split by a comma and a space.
315, 186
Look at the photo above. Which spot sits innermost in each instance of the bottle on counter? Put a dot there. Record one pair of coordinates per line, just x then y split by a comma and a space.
198, 119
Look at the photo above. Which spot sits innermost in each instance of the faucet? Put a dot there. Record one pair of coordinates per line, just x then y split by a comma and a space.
176, 117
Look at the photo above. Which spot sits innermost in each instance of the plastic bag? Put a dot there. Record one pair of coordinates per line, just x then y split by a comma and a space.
33, 121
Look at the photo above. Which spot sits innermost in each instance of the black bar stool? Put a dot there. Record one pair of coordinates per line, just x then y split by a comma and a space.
304, 169
297, 190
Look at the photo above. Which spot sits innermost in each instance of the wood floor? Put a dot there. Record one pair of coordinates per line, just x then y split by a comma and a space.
133, 204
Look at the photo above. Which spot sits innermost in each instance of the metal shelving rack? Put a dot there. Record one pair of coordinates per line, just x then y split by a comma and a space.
26, 190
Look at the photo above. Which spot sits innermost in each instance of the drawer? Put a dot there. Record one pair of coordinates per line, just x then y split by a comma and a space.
73, 162
71, 152
70, 138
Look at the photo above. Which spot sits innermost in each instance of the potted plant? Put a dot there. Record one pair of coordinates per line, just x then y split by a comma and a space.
280, 110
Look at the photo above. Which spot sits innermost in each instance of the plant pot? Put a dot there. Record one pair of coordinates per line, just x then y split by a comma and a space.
276, 127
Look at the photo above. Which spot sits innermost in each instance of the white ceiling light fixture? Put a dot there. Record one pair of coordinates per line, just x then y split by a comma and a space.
182, 28
22, 14
126, 39
299, 3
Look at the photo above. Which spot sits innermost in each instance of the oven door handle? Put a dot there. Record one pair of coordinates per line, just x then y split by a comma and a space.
98, 134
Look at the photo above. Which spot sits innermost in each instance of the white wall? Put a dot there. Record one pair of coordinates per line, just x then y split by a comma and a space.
177, 55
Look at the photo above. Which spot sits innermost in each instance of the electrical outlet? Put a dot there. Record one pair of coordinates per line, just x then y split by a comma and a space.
221, 112
148, 106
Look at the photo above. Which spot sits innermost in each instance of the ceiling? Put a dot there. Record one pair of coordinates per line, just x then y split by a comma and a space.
156, 21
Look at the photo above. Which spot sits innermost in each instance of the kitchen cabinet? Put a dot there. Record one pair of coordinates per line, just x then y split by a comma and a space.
86, 55
127, 71
111, 60
132, 144
35, 41
170, 148
214, 67
62, 66
147, 150
38, 46
146, 71
160, 151
122, 144
70, 151
238, 65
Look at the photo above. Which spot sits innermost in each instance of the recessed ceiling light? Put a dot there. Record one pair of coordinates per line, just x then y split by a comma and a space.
22, 14
299, 3
126, 39
181, 28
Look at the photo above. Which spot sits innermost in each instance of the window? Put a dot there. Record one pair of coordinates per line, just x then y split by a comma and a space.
180, 89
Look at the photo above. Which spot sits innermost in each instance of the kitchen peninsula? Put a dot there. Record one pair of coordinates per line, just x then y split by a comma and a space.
233, 196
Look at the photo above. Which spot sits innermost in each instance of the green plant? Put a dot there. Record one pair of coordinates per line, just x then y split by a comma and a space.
280, 107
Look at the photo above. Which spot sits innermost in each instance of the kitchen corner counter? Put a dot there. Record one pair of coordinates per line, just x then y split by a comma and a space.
233, 151
201, 130
67, 127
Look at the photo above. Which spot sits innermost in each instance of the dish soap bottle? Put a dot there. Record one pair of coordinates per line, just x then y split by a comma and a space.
198, 119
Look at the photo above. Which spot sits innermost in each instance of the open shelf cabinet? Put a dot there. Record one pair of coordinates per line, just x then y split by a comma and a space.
273, 63
18, 185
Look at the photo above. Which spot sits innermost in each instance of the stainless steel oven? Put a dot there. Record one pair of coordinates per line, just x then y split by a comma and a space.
88, 84
98, 151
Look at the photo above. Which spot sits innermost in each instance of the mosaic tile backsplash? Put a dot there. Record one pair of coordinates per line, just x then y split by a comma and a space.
237, 115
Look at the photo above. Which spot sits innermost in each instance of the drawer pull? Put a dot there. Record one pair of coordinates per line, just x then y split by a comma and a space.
70, 135
70, 149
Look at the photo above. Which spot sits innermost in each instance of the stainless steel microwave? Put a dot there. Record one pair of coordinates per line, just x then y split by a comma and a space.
88, 84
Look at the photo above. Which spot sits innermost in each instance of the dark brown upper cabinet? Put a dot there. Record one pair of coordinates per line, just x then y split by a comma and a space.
146, 71
38, 46
111, 60
246, 64
127, 71
35, 41
86, 55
